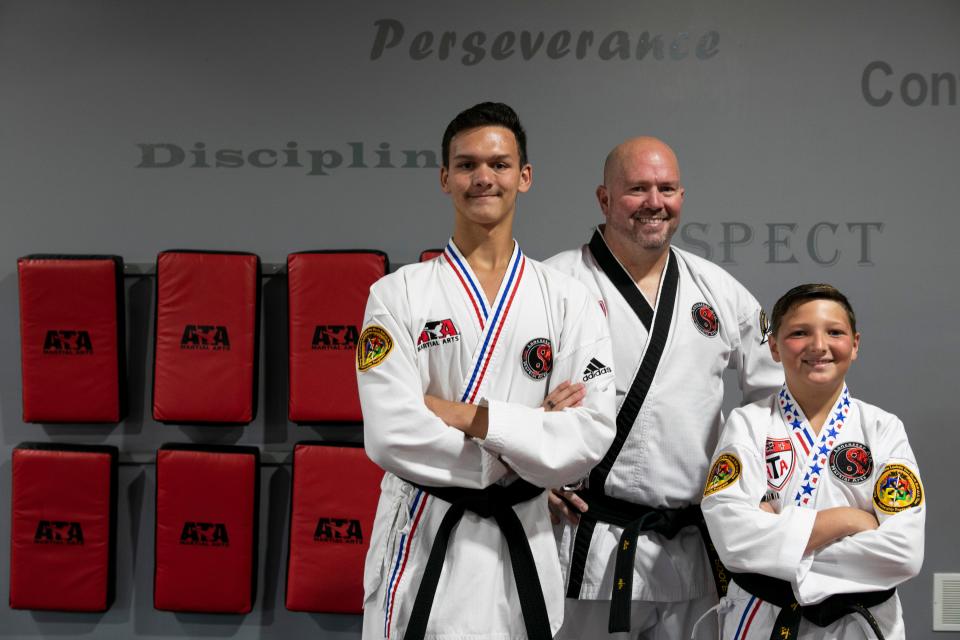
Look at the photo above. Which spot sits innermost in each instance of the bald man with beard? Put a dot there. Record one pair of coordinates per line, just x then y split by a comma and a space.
631, 537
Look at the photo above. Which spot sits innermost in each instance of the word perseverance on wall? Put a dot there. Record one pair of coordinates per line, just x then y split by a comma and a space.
392, 38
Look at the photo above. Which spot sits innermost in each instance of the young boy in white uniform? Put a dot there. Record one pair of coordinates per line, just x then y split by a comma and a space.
814, 498
457, 361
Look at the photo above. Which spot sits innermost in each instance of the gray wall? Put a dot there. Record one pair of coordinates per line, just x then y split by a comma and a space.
778, 120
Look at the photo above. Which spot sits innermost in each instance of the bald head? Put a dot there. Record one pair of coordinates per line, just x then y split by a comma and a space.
637, 150
641, 198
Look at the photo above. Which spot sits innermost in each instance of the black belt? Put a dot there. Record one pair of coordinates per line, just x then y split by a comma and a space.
780, 593
634, 519
493, 502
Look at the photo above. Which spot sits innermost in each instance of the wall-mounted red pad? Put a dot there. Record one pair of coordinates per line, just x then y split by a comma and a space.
327, 294
72, 338
63, 527
334, 500
430, 254
207, 337
206, 528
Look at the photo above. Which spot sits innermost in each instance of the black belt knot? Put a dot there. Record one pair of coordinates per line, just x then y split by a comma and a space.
495, 502
787, 625
634, 519
486, 502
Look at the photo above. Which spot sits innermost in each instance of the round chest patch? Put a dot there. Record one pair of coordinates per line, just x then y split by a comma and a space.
897, 488
373, 347
537, 358
705, 319
723, 473
851, 462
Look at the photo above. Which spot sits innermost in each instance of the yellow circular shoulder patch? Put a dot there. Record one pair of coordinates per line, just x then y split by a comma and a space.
373, 347
723, 473
897, 488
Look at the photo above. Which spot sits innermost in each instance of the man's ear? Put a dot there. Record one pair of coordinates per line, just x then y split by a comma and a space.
444, 175
526, 178
603, 198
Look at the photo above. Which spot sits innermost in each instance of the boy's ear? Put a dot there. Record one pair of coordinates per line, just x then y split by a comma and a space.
774, 349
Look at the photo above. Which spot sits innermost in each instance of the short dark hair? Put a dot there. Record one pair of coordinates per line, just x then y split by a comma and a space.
486, 114
805, 293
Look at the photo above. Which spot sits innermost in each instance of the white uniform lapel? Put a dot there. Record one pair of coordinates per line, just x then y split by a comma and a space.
814, 449
491, 318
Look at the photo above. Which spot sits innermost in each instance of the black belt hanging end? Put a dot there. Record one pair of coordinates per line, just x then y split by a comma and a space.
623, 575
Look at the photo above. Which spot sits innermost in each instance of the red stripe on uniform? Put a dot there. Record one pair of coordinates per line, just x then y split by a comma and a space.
802, 442
496, 336
467, 288
406, 556
746, 629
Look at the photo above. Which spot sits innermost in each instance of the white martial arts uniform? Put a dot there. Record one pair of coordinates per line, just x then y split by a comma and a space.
860, 458
715, 324
434, 333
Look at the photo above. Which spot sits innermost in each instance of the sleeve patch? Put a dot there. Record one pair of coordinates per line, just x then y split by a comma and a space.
764, 326
723, 473
373, 347
897, 488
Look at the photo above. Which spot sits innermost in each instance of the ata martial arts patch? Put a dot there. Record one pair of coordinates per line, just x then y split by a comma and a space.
851, 462
594, 369
724, 473
537, 358
780, 462
764, 326
437, 332
705, 319
374, 346
897, 488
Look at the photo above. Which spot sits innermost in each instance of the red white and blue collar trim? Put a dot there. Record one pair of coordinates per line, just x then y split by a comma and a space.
469, 282
491, 318
817, 447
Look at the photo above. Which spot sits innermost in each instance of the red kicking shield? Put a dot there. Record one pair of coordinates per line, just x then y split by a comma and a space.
207, 337
206, 528
328, 291
63, 527
334, 500
72, 338
430, 254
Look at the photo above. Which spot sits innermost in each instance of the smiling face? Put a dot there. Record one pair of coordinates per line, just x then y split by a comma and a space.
485, 175
641, 196
816, 345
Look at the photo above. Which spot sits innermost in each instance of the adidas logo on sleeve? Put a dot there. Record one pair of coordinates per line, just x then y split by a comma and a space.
594, 369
